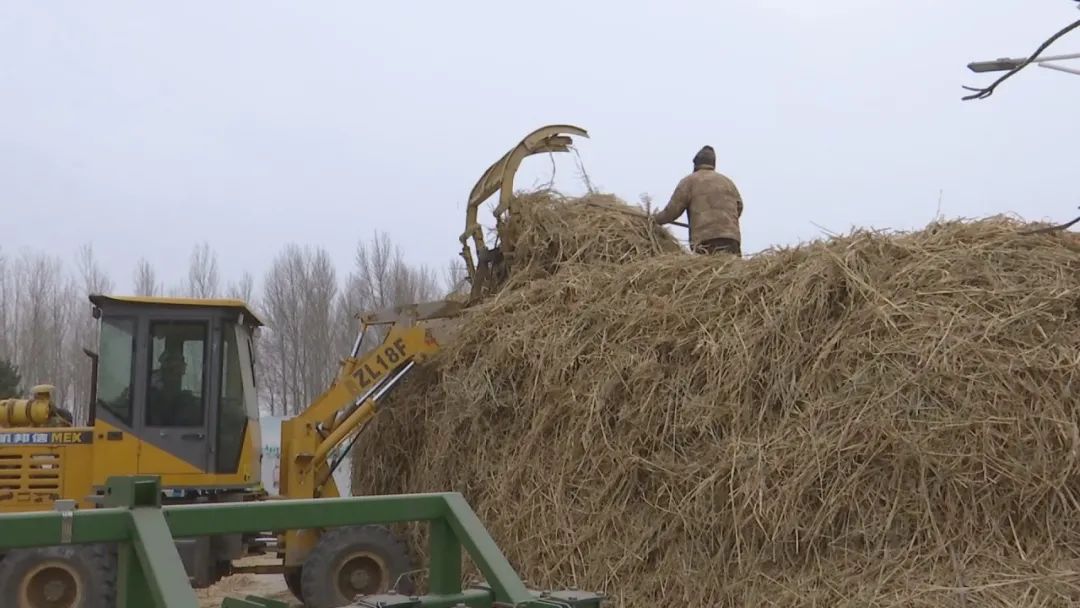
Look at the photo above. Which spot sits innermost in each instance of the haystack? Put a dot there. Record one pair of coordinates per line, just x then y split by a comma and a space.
867, 420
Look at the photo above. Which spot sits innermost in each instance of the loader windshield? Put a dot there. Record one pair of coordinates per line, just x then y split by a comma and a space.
176, 388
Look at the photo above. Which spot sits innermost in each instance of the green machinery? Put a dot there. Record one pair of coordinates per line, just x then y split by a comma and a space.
151, 573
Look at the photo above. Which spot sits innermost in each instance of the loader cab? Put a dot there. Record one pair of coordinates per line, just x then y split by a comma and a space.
175, 380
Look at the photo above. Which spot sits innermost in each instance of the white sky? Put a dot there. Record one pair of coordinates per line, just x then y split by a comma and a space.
147, 127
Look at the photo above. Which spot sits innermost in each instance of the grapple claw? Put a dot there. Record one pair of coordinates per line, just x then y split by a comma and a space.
489, 265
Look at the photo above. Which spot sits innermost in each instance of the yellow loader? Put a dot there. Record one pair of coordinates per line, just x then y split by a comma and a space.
174, 395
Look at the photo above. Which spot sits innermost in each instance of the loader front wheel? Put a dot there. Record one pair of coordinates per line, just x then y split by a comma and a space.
347, 562
60, 577
292, 581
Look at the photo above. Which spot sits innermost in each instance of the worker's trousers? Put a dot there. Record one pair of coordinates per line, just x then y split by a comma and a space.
730, 246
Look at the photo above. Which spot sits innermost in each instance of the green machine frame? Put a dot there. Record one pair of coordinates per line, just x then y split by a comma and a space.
151, 573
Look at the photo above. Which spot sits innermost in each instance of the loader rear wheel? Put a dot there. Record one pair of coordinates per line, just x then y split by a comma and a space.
60, 577
347, 562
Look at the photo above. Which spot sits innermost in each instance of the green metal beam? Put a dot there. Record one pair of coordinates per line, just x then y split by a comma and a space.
444, 569
161, 564
113, 524
201, 520
133, 491
473, 598
252, 602
276, 515
45, 528
485, 553
231, 602
132, 582
152, 573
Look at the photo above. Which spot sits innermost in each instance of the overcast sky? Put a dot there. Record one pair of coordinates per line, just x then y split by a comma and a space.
147, 127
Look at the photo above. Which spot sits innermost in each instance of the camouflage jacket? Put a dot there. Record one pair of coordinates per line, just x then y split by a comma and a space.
712, 204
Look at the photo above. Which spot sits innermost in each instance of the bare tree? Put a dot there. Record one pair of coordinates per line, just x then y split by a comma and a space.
7, 312
145, 279
45, 321
372, 283
81, 327
39, 324
455, 278
298, 296
380, 279
202, 280
94, 279
242, 289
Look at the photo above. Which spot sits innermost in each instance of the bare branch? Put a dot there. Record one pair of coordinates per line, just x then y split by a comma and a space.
1057, 228
94, 278
203, 279
145, 279
242, 289
455, 277
299, 353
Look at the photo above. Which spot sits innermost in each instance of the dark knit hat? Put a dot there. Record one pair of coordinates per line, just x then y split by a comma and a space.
705, 156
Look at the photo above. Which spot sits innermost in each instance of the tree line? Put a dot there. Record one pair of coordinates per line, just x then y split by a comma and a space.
306, 303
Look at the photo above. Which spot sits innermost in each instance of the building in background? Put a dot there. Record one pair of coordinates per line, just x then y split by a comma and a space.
271, 459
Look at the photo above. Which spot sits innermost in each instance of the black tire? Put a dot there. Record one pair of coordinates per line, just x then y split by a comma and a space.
293, 582
82, 576
354, 561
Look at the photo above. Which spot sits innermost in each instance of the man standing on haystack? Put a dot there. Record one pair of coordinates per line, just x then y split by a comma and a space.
712, 204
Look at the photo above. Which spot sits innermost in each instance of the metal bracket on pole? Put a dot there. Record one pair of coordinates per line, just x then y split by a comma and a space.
1047, 63
1011, 63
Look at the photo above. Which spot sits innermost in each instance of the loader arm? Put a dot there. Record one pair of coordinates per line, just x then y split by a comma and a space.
353, 398
336, 416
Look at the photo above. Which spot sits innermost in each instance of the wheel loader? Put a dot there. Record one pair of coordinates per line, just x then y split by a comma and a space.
173, 394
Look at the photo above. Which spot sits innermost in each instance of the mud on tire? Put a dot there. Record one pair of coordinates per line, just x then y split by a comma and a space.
354, 561
67, 576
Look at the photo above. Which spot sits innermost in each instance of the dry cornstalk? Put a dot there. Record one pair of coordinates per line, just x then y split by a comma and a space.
868, 420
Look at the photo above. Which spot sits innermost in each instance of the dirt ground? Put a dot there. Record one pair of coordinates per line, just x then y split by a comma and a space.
270, 586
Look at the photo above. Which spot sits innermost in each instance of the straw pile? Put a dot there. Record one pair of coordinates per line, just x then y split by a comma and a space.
868, 420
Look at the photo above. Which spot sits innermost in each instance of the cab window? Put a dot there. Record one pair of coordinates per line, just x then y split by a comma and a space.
232, 414
176, 389
116, 367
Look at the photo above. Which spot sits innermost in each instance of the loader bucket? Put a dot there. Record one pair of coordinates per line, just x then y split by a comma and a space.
490, 264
